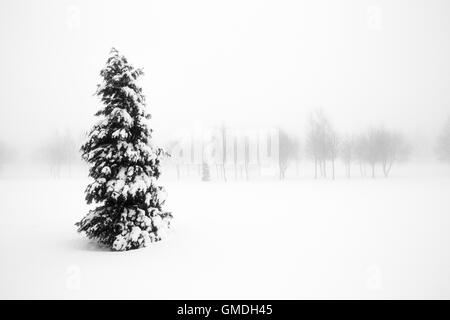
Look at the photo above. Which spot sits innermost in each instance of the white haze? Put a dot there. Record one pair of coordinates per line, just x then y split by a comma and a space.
366, 63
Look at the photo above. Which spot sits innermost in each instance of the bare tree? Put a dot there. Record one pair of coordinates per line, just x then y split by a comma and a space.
443, 143
223, 143
246, 156
321, 142
347, 152
258, 152
283, 155
332, 146
174, 147
240, 154
315, 140
373, 148
235, 156
288, 150
312, 143
384, 147
360, 153
60, 151
298, 153
393, 147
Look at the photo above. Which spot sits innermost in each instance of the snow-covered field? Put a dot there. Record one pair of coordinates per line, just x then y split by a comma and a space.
359, 238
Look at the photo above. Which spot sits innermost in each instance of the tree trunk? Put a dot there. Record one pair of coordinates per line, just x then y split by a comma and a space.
332, 165
282, 172
387, 168
224, 149
315, 168
224, 172
320, 167
373, 170
349, 168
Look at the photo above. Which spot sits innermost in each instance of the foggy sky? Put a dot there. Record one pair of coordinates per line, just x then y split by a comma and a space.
244, 62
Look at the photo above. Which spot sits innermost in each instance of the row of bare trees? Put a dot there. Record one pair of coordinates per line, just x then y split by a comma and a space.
226, 150
376, 146
365, 152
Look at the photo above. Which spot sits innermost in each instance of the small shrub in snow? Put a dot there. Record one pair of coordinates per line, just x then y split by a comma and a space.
205, 172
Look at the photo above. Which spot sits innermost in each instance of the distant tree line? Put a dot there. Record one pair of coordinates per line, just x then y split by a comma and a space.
235, 155
57, 152
374, 149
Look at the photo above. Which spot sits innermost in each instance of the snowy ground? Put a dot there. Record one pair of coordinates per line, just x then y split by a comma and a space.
359, 238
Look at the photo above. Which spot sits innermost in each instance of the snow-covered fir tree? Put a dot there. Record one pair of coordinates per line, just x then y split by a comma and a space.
125, 165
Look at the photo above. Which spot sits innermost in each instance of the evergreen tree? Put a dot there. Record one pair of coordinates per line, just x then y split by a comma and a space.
125, 165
